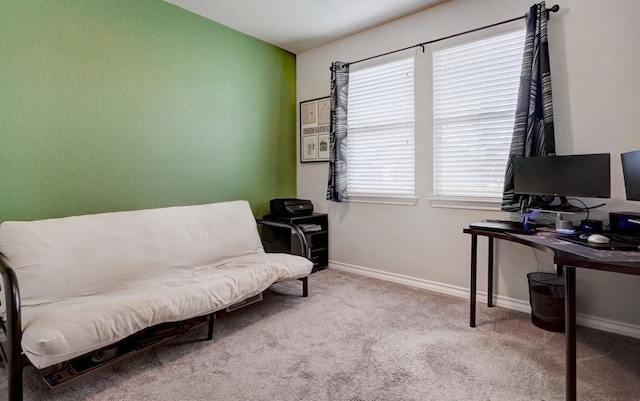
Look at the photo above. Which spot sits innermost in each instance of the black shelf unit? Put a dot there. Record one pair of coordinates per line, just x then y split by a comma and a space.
280, 239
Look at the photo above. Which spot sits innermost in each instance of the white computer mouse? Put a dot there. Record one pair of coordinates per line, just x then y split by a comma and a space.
598, 239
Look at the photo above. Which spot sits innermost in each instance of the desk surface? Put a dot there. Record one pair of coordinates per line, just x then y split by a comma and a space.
570, 254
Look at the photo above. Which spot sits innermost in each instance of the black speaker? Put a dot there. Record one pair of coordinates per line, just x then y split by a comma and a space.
591, 226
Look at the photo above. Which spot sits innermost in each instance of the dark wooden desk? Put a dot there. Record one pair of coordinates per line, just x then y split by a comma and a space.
567, 258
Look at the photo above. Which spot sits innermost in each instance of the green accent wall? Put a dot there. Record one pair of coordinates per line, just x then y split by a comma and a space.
121, 104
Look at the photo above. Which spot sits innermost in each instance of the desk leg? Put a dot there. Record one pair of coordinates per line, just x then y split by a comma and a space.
570, 332
490, 274
474, 273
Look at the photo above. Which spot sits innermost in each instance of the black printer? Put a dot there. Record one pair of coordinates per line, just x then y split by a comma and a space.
290, 207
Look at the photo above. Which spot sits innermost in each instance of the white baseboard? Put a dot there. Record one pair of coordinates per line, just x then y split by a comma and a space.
593, 322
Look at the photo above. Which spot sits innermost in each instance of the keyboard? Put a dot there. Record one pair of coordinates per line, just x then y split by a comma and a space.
501, 226
627, 239
614, 244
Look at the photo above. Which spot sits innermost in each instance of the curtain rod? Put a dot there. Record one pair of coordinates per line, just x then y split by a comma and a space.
554, 9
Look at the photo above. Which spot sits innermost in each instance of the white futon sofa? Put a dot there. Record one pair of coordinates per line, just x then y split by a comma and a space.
75, 285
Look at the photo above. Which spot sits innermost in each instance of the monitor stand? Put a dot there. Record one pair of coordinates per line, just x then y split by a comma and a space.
562, 226
563, 207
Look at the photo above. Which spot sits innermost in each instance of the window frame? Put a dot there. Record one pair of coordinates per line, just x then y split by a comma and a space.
466, 202
382, 198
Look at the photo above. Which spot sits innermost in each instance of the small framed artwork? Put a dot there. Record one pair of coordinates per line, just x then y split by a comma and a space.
323, 146
314, 130
309, 148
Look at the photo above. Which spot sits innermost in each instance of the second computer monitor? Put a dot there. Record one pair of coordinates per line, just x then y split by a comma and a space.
565, 176
631, 172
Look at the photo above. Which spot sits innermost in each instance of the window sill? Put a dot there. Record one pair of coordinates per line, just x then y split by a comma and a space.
387, 200
466, 203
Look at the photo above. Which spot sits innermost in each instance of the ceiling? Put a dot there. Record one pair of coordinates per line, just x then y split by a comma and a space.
301, 25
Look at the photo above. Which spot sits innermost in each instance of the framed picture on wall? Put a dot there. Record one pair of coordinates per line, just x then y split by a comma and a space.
323, 146
309, 148
314, 130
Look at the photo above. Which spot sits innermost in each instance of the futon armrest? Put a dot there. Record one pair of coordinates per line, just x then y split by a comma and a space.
12, 327
304, 246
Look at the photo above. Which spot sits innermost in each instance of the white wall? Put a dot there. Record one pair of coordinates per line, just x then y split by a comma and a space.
596, 93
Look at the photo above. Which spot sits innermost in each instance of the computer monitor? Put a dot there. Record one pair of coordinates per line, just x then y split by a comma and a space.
586, 176
631, 172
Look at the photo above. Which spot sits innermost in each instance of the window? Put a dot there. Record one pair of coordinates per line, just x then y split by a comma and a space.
475, 88
381, 139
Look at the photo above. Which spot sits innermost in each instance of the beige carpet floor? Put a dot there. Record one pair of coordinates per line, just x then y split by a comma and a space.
361, 339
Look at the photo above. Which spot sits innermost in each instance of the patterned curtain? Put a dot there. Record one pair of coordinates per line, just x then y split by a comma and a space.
533, 133
337, 186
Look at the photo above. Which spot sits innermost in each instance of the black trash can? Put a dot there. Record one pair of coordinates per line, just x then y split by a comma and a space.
546, 294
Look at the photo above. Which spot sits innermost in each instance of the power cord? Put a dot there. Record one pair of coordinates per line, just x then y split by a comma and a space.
584, 206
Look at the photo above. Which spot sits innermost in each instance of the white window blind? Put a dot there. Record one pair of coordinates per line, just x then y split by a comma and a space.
475, 88
380, 118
